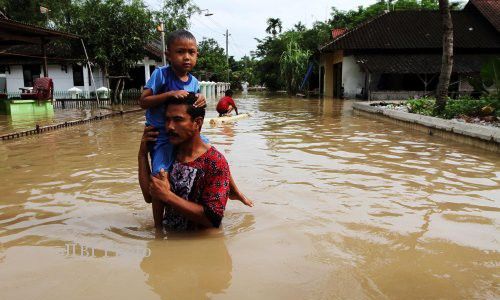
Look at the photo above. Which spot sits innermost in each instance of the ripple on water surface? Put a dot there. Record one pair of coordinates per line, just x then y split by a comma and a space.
339, 198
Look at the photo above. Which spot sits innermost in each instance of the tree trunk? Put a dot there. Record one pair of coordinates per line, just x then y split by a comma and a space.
447, 61
120, 91
106, 76
116, 91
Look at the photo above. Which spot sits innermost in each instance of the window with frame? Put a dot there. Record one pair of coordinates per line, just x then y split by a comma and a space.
78, 75
30, 73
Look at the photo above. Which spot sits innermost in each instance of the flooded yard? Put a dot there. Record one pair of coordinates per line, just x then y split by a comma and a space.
345, 207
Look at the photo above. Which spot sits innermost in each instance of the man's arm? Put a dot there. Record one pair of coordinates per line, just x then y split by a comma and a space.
145, 174
144, 170
161, 190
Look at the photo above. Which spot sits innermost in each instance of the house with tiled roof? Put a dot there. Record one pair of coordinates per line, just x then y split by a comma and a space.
397, 55
23, 59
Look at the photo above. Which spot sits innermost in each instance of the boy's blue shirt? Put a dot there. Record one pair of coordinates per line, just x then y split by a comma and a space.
164, 80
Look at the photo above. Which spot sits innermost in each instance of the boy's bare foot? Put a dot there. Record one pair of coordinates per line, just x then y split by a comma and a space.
240, 196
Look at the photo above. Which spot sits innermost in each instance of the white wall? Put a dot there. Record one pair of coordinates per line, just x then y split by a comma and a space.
353, 79
14, 79
62, 80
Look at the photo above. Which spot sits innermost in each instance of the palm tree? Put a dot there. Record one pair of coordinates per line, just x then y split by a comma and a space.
447, 60
299, 26
272, 24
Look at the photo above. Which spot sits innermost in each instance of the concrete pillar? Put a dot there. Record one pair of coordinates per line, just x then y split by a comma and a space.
203, 89
147, 75
214, 94
86, 82
207, 89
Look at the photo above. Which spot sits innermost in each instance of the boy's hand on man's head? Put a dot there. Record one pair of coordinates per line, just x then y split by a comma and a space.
179, 94
200, 101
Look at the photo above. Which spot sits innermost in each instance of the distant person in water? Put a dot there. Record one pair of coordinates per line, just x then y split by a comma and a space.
197, 189
226, 104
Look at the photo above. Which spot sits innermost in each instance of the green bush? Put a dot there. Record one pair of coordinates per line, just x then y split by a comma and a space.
421, 106
470, 107
455, 107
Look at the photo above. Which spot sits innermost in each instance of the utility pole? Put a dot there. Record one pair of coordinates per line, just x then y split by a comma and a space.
227, 55
162, 30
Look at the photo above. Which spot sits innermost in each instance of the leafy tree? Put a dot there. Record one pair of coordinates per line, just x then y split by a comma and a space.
28, 11
274, 26
242, 70
268, 52
211, 61
299, 26
176, 14
269, 49
293, 65
115, 33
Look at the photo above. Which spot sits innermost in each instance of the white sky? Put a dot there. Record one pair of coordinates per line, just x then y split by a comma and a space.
246, 19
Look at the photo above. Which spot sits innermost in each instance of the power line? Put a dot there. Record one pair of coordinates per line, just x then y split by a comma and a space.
206, 25
238, 48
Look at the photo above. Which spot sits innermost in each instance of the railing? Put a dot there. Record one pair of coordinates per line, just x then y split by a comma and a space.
65, 99
213, 90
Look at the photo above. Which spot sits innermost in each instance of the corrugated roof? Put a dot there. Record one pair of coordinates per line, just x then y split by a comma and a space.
57, 51
419, 63
417, 30
8, 25
154, 49
490, 9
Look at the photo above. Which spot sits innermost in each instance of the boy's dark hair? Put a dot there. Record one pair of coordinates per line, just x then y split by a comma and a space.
229, 93
194, 112
178, 35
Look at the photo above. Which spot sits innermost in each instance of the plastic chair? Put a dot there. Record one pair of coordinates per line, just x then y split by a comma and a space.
43, 89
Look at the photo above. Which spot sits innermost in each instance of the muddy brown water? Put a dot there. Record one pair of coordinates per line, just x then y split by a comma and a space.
346, 207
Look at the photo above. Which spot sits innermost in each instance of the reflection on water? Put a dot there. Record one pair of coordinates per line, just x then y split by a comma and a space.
346, 207
23, 122
186, 268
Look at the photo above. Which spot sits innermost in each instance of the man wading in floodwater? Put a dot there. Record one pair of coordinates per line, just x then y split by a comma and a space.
198, 187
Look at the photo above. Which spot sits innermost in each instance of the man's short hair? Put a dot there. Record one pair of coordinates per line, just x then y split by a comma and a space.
179, 35
194, 112
229, 93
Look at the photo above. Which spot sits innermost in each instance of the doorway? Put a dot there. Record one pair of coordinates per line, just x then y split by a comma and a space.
337, 80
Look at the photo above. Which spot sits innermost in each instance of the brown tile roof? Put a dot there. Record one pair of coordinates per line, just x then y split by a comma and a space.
57, 52
490, 9
154, 49
8, 26
410, 29
419, 63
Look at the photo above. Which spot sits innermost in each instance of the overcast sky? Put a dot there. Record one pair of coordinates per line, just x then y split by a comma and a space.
246, 19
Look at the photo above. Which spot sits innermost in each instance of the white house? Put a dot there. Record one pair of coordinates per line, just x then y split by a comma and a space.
397, 55
68, 73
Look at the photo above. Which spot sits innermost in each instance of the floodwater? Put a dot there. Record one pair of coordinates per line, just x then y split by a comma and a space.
16, 123
345, 208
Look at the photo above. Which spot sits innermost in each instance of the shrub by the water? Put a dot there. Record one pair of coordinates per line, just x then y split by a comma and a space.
421, 106
456, 107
